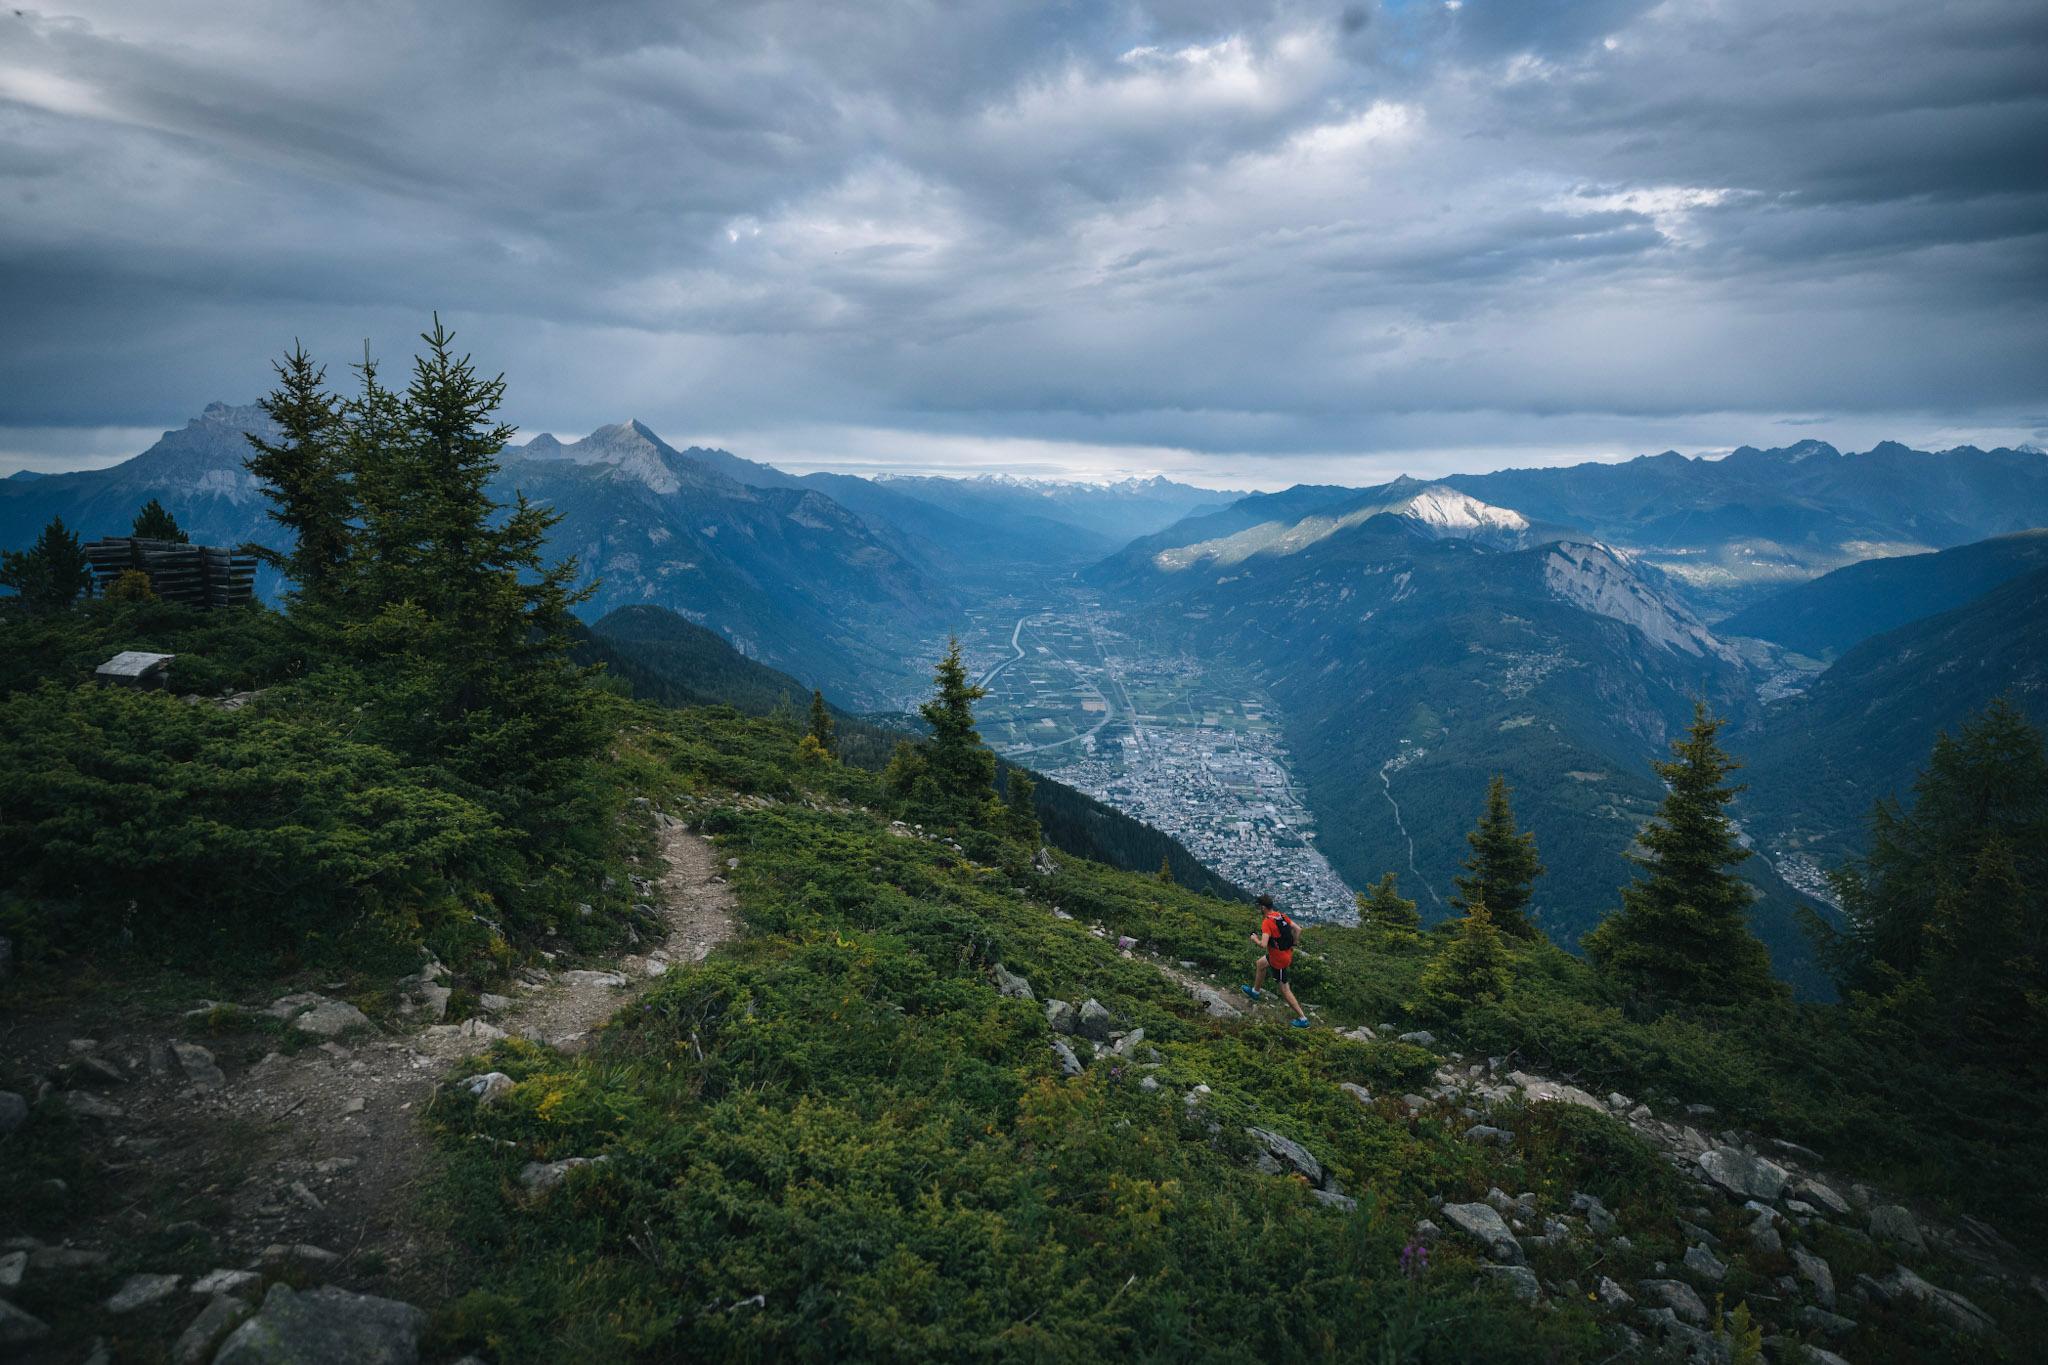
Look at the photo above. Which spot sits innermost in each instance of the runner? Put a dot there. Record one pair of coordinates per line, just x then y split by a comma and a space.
1276, 939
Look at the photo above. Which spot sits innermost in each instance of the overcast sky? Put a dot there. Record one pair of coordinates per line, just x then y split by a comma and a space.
1250, 243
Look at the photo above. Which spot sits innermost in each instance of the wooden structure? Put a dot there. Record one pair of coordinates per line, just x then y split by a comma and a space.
195, 575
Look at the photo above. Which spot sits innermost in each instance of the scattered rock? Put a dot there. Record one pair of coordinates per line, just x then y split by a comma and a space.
18, 1328
12, 1266
1893, 1223
1061, 1017
1042, 863
489, 1087
278, 1256
326, 1326
1149, 1084
1011, 984
240, 1283
1483, 1225
1421, 1037
221, 1316
1903, 1285
87, 1105
1826, 1323
1557, 1092
1680, 1298
1481, 1132
586, 977
13, 1111
65, 1258
1705, 1264
541, 1176
1361, 1034
354, 1105
140, 1291
199, 1067
1596, 1214
1331, 1199
1742, 1175
1070, 1065
1612, 1296
330, 1019
1279, 1155
1519, 1280
1094, 1023
1816, 1272
1356, 1091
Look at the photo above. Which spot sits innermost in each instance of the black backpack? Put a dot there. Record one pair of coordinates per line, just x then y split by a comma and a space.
1285, 935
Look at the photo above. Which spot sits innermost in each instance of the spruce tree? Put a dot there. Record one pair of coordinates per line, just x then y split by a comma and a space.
1385, 910
1989, 782
52, 573
154, 523
820, 727
1682, 934
1165, 872
1502, 865
1020, 805
958, 770
1471, 969
303, 475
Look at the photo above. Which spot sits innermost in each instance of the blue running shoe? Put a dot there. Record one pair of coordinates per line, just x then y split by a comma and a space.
1249, 991
1301, 1023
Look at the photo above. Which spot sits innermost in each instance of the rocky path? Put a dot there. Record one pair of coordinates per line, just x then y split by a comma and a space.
309, 1157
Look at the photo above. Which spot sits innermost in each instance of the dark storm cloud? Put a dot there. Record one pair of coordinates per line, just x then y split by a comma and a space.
1274, 230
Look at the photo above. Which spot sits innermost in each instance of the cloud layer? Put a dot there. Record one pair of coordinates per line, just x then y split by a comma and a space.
1257, 241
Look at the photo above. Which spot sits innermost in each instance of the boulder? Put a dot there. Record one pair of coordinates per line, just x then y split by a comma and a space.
1557, 1092
1741, 1175
199, 1067
12, 1267
90, 1106
1280, 1156
299, 1256
1214, 1003
1421, 1037
1062, 1017
1484, 1225
330, 1019
1343, 1203
1094, 1022
13, 1111
585, 977
1518, 1280
1705, 1264
142, 1291
1821, 1320
1361, 1034
1486, 1133
1894, 1223
1680, 1297
326, 1326
1070, 1064
1612, 1296
221, 1316
1010, 984
65, 1258
240, 1283
1596, 1214
18, 1328
1817, 1273
468, 1031
541, 1176
1356, 1091
488, 1087
1903, 1286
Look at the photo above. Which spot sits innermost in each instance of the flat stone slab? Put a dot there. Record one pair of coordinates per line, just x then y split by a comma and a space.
1484, 1225
326, 1326
1742, 1175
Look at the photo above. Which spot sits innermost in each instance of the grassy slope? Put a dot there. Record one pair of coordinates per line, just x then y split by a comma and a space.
840, 1115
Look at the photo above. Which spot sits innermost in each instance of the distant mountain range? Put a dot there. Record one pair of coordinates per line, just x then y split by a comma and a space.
1838, 610
1736, 528
828, 577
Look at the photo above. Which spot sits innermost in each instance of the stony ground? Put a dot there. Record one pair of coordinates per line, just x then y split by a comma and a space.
291, 1152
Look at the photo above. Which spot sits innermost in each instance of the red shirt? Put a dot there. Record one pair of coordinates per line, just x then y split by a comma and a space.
1270, 927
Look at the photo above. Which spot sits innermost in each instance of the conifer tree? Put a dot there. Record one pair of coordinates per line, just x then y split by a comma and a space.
154, 523
52, 573
1165, 872
1682, 934
1020, 802
820, 727
959, 770
1502, 865
1385, 910
1471, 969
1987, 783
303, 475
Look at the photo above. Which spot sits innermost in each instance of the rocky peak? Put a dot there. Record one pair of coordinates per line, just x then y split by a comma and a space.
1600, 580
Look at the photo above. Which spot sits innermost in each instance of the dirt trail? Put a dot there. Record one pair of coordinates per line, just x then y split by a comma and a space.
322, 1148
